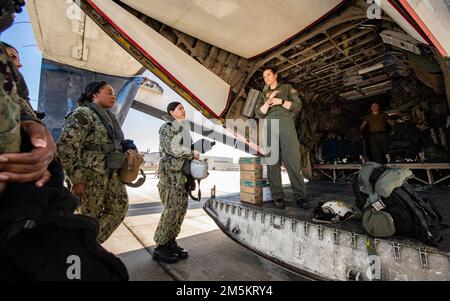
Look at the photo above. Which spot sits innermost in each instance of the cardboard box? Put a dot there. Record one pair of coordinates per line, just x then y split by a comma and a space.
250, 160
259, 183
259, 172
257, 198
254, 187
251, 175
251, 169
251, 198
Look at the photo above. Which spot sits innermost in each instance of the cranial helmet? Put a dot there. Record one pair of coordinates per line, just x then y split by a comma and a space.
338, 208
332, 212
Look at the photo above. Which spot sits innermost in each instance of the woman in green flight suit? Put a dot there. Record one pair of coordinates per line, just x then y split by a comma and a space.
280, 101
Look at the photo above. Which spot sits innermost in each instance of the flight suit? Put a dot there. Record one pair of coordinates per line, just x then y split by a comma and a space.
105, 198
172, 181
289, 147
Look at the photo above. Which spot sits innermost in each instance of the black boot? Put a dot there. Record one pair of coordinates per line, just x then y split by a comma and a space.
303, 203
182, 253
165, 254
279, 203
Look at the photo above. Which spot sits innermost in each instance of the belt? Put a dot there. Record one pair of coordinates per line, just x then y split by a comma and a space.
103, 148
375, 133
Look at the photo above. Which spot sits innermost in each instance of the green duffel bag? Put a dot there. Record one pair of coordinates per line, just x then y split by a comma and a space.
378, 223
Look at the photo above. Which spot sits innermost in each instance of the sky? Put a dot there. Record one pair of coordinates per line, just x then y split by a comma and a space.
140, 127
21, 36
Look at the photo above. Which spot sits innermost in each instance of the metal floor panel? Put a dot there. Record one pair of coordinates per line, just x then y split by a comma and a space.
321, 191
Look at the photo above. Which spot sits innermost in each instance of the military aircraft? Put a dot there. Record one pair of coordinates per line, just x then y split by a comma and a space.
340, 56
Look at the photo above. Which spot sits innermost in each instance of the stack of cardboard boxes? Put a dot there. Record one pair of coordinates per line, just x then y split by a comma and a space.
254, 184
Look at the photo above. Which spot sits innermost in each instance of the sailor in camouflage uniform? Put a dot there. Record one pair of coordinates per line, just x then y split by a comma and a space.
280, 101
172, 184
32, 165
21, 93
22, 88
9, 111
83, 149
10, 101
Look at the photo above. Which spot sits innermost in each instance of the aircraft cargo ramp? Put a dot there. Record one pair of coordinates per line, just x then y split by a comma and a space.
332, 251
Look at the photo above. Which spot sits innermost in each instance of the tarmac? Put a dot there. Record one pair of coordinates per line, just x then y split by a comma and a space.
212, 255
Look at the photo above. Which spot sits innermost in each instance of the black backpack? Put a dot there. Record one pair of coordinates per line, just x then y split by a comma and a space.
42, 239
60, 247
413, 216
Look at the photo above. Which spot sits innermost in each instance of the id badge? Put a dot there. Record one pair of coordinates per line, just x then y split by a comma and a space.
378, 205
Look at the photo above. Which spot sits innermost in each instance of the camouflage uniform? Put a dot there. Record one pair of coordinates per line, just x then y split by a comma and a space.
22, 90
12, 109
105, 198
17, 87
288, 141
171, 186
14, 105
9, 109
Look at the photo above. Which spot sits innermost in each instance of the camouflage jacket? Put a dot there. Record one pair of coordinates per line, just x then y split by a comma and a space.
12, 108
9, 109
16, 83
82, 129
173, 153
22, 90
22, 87
285, 92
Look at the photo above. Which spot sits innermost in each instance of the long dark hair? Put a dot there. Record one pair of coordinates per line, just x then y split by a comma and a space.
90, 90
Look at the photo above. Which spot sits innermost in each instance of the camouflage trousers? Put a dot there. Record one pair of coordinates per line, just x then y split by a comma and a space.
105, 200
174, 197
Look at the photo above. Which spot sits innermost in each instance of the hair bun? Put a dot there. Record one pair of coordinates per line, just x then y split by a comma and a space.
83, 98
90, 90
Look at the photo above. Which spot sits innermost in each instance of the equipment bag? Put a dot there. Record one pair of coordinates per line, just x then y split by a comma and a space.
62, 247
42, 239
131, 169
413, 216
195, 170
378, 223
